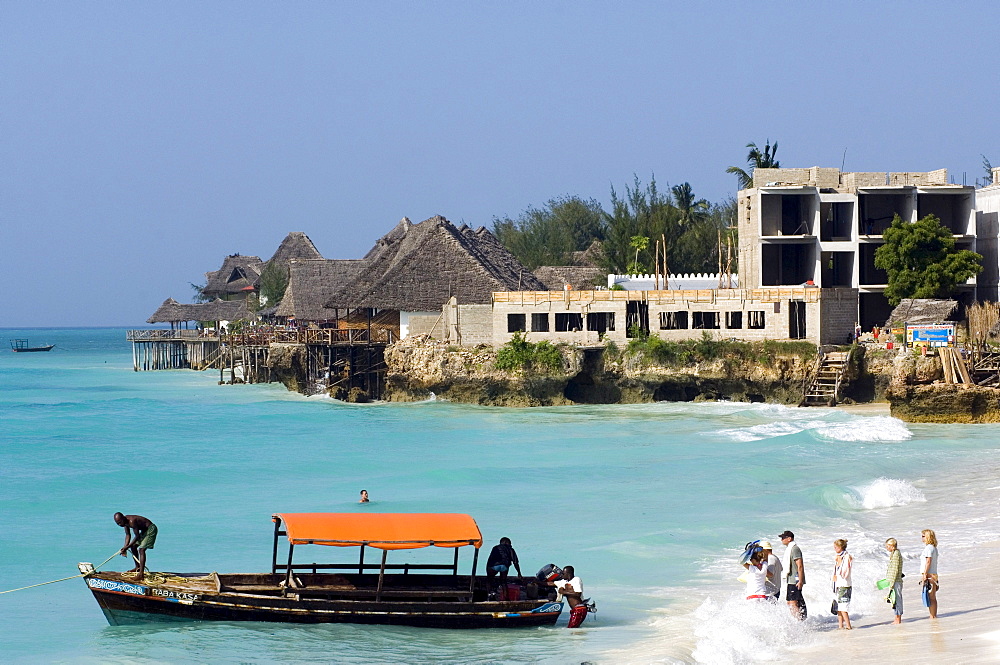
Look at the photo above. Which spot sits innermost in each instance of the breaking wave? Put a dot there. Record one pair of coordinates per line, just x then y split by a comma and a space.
878, 494
874, 429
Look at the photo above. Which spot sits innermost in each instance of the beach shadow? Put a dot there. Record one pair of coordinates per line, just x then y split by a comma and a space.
961, 612
941, 615
877, 625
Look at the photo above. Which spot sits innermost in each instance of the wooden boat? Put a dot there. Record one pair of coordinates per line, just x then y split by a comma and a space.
21, 346
314, 593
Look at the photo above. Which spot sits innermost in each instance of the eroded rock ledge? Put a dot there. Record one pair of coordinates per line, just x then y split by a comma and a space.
420, 366
944, 403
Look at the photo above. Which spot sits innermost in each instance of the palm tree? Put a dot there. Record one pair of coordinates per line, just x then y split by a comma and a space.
689, 208
756, 160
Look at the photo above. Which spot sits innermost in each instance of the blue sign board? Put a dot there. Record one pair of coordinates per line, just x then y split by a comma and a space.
941, 334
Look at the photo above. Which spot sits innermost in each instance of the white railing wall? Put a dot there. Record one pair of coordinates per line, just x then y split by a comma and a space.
680, 281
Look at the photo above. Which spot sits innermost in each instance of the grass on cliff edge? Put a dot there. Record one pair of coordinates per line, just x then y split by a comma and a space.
691, 351
521, 354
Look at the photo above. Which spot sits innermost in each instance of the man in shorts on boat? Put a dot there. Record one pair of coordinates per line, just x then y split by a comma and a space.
501, 558
795, 575
140, 535
570, 587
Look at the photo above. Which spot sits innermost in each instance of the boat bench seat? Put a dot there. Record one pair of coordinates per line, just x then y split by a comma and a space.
460, 594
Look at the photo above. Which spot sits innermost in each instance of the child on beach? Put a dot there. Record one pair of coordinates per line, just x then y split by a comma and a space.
842, 582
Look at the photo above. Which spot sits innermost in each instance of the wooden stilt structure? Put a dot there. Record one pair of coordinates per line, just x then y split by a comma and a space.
349, 361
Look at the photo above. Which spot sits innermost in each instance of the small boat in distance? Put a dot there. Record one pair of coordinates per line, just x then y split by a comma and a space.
21, 346
350, 592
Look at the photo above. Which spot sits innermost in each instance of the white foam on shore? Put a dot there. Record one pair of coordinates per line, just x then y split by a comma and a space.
887, 493
871, 429
768, 430
737, 630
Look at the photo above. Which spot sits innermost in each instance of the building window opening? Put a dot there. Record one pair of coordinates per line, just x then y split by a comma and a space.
515, 323
673, 320
705, 320
569, 322
636, 319
835, 220
797, 320
755, 320
877, 210
540, 322
734, 320
601, 322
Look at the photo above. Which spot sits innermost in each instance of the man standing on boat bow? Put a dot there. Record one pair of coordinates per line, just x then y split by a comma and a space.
143, 539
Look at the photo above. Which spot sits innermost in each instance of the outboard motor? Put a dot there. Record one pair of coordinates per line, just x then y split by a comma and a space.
548, 573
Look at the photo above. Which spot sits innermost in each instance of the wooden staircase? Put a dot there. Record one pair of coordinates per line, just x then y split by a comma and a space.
824, 390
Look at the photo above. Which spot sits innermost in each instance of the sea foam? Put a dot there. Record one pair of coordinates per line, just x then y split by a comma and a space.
887, 493
878, 494
875, 429
736, 630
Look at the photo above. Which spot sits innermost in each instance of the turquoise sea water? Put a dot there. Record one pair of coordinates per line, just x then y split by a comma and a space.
650, 503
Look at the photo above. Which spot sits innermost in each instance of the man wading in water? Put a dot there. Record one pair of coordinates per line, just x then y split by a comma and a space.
144, 538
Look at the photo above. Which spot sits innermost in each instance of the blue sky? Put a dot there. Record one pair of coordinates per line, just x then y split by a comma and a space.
143, 142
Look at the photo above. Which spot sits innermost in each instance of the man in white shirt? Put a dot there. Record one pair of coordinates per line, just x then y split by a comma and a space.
795, 575
570, 587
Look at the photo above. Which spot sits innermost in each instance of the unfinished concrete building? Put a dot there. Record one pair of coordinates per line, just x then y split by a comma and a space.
589, 318
987, 232
821, 226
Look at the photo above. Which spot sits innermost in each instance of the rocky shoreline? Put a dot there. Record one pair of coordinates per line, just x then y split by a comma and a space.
421, 367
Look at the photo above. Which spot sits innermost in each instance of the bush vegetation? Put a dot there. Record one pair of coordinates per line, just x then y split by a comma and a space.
689, 352
520, 354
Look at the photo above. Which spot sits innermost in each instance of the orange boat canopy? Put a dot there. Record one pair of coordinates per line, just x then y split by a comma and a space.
385, 531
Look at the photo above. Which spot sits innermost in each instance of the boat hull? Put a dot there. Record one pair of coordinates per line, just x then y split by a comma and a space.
125, 603
34, 349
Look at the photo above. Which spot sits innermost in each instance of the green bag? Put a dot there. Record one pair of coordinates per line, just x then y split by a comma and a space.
882, 584
891, 598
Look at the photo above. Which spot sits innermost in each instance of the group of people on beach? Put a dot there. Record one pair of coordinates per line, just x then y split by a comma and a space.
766, 574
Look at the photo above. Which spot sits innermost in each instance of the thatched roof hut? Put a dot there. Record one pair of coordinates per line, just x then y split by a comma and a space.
579, 278
296, 245
924, 311
238, 274
418, 267
172, 311
593, 256
311, 283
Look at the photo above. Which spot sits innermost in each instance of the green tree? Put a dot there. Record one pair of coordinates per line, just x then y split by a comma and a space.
643, 211
691, 210
199, 292
697, 248
639, 243
756, 160
921, 260
273, 282
549, 235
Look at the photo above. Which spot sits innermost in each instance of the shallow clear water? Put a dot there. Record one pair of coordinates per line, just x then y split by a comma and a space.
650, 503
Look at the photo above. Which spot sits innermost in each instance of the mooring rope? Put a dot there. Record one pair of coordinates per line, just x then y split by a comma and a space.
63, 579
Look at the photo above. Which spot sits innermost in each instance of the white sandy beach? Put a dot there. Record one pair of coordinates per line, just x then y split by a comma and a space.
865, 409
967, 629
